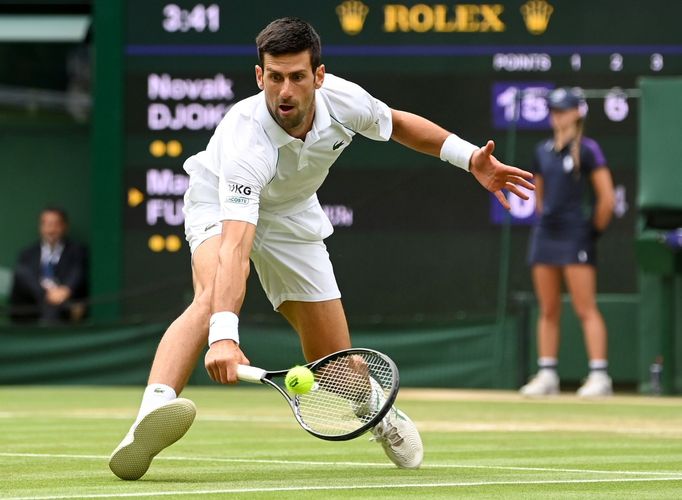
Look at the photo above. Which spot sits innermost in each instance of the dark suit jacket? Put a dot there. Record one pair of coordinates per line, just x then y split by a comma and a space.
28, 296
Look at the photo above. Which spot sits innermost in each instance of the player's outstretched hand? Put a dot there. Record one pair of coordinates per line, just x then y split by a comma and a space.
222, 359
495, 175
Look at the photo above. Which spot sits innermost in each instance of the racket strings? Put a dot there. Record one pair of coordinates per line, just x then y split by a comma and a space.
349, 392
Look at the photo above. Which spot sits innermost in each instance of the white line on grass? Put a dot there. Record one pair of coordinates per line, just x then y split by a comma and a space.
678, 475
130, 415
350, 487
671, 429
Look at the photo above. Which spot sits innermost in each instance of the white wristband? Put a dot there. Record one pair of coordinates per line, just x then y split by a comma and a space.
223, 326
457, 151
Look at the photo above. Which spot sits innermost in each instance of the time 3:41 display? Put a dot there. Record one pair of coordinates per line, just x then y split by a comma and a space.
199, 18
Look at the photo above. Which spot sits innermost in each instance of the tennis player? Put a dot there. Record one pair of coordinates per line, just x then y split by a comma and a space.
252, 194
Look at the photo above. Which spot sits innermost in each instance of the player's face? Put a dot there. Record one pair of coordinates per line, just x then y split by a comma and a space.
52, 227
564, 119
289, 82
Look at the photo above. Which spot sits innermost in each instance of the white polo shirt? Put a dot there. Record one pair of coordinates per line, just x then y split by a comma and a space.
262, 170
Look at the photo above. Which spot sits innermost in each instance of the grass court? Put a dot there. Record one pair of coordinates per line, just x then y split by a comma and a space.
55, 442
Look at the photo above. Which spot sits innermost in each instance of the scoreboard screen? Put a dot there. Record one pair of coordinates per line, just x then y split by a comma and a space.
415, 239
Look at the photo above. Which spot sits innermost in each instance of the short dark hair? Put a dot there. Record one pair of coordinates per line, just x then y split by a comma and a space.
57, 210
289, 35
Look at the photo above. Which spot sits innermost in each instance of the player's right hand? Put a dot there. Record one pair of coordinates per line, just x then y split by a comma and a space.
222, 359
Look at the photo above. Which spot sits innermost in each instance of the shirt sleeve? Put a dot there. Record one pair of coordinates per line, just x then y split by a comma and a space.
378, 123
358, 110
593, 157
246, 166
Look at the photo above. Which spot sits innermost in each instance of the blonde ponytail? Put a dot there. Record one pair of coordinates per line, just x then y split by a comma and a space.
575, 147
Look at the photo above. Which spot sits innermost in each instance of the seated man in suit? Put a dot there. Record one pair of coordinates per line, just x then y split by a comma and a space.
51, 276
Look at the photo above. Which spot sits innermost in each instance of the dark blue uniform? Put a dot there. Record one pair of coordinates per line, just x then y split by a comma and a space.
564, 233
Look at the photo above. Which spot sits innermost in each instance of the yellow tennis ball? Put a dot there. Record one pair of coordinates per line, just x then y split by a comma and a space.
299, 380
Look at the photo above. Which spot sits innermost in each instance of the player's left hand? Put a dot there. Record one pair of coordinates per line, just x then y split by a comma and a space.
495, 175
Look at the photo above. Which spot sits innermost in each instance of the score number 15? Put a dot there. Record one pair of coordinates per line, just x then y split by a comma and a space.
198, 18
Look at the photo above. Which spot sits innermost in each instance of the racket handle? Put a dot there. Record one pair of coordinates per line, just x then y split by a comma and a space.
247, 373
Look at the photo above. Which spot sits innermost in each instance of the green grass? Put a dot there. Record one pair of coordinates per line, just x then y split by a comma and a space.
54, 443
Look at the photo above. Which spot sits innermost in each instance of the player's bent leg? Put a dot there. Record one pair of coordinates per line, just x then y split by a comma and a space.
186, 337
321, 326
164, 418
323, 329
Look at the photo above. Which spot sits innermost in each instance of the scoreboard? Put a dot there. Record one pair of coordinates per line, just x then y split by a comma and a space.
414, 239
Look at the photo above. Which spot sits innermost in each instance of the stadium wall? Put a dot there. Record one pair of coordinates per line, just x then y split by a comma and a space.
483, 355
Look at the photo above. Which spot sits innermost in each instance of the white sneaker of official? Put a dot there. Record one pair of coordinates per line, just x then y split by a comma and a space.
544, 383
158, 429
400, 439
597, 385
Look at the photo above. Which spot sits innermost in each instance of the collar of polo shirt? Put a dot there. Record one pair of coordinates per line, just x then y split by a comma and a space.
278, 135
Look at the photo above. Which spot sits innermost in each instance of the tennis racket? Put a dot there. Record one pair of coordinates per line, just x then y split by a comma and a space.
353, 391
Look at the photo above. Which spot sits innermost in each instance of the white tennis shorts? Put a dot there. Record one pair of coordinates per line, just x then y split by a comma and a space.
288, 252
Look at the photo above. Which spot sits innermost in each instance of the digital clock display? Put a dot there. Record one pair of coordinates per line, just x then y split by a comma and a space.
199, 18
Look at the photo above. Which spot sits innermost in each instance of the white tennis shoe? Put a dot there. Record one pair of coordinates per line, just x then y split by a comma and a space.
159, 429
545, 383
400, 439
597, 385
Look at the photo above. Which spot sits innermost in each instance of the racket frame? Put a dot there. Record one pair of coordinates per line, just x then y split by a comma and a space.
253, 374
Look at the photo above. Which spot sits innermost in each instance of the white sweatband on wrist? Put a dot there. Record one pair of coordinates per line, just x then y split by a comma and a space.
457, 151
223, 326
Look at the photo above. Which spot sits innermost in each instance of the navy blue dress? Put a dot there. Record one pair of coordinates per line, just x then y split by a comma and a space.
564, 233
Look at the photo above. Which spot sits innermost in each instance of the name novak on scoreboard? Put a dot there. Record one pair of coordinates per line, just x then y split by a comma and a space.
187, 103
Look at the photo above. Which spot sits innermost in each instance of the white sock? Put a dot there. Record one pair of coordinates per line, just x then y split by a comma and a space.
599, 365
154, 396
547, 364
